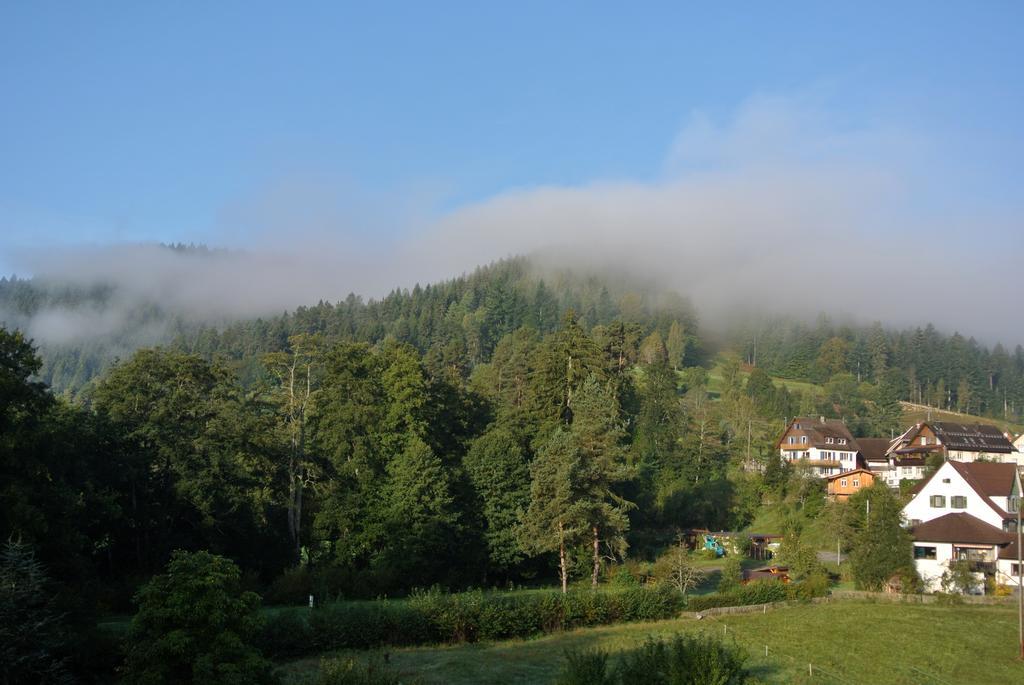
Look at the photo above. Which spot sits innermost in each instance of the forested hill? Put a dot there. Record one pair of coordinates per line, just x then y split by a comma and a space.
920, 365
456, 325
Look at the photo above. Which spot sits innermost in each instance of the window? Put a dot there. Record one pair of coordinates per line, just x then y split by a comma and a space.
842, 441
792, 440
1014, 569
1014, 503
924, 552
797, 426
938, 501
842, 482
958, 502
803, 439
828, 441
945, 480
856, 483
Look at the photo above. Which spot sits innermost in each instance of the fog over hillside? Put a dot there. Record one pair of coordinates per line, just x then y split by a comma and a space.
778, 208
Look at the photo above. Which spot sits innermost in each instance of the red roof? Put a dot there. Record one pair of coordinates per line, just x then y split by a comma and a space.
985, 478
959, 528
988, 478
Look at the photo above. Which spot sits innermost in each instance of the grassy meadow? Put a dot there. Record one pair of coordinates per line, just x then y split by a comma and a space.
845, 642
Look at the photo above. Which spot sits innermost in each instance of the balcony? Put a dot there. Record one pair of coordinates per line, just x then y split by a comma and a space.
986, 567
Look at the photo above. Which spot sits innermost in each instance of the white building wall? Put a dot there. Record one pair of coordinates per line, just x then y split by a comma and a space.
1005, 572
931, 570
920, 507
997, 457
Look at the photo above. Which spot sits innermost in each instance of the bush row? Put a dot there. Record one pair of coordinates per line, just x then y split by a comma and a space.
760, 592
433, 617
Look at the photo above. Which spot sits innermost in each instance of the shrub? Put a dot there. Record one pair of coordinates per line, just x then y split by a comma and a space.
349, 671
760, 592
624, 578
285, 634
290, 588
814, 585
433, 616
195, 625
732, 574
683, 660
586, 668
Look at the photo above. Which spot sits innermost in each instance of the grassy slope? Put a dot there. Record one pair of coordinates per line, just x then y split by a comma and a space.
912, 413
848, 642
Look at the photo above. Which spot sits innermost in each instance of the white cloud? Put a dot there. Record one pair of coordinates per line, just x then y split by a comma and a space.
779, 208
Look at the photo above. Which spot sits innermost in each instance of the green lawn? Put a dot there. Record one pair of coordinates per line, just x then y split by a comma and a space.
846, 642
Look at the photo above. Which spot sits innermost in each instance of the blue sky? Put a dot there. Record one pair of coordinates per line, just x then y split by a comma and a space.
189, 121
144, 120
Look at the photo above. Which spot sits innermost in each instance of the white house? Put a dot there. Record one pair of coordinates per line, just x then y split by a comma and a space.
966, 511
957, 537
989, 492
825, 445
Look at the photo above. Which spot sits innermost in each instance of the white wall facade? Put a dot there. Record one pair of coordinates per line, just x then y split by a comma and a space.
947, 483
818, 457
1006, 572
997, 457
931, 570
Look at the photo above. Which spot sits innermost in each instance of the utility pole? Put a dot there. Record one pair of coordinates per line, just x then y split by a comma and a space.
1020, 574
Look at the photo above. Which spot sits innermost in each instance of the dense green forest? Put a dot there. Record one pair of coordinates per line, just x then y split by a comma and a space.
496, 428
460, 322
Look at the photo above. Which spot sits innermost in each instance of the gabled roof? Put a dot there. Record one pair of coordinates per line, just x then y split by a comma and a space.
985, 478
970, 437
959, 528
818, 429
988, 478
845, 474
874, 449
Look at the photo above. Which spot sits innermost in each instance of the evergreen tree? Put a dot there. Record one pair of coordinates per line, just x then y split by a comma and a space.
675, 345
556, 518
498, 467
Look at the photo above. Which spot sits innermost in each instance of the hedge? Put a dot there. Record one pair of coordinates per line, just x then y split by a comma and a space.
430, 617
435, 617
759, 592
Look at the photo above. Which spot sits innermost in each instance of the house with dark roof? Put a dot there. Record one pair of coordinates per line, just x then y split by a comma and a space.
966, 511
874, 457
826, 446
955, 441
958, 537
988, 492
